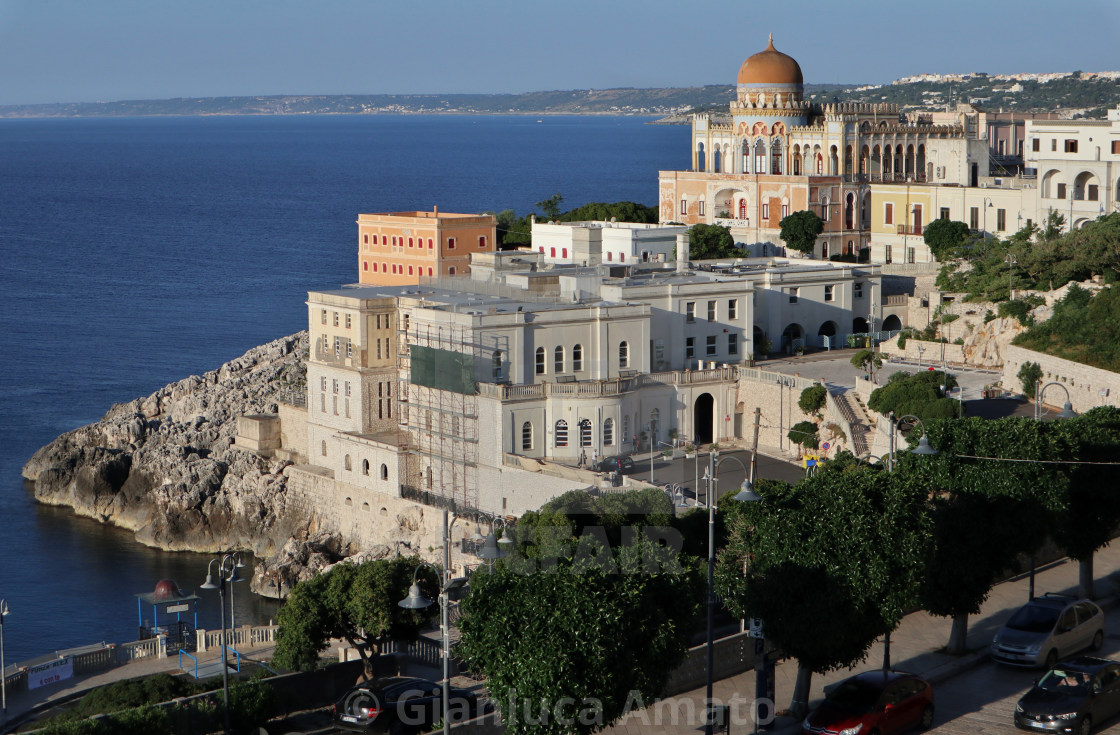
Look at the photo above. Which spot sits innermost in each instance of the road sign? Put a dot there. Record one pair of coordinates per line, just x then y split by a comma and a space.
825, 446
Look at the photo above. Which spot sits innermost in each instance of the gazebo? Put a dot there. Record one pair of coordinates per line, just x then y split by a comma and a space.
170, 608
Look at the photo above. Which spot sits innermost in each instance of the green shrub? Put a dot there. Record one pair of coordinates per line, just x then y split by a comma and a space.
812, 399
1029, 374
805, 434
989, 315
1020, 309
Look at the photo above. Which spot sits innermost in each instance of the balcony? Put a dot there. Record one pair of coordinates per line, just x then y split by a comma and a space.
602, 388
908, 229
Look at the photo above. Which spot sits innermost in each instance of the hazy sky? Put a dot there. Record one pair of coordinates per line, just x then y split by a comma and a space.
85, 50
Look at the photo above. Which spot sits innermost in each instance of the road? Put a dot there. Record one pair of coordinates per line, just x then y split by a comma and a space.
685, 472
983, 700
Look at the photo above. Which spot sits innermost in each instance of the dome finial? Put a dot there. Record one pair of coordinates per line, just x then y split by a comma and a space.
771, 39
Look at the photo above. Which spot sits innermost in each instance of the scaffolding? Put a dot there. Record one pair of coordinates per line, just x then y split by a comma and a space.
438, 409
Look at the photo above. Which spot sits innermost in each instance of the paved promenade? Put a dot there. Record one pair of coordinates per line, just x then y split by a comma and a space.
21, 703
915, 647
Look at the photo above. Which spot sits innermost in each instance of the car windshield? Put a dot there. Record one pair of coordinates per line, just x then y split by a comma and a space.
1034, 619
854, 696
1064, 681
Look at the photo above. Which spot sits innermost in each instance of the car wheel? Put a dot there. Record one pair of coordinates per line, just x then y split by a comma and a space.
1098, 640
1085, 726
1051, 659
927, 718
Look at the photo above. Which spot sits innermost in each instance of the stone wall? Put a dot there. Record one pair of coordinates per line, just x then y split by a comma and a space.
1088, 387
293, 429
931, 353
776, 394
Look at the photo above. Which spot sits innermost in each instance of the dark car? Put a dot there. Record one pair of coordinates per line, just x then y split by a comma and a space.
885, 702
399, 705
1072, 697
620, 463
1048, 628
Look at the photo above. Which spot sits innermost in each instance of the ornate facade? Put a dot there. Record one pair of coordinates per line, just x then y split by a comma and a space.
776, 153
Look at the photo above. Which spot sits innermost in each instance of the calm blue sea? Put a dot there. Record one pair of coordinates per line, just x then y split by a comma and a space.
139, 251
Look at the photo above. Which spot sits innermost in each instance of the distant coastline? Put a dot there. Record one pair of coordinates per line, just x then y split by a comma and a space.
1078, 95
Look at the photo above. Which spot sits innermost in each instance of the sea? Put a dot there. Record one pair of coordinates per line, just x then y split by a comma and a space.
138, 251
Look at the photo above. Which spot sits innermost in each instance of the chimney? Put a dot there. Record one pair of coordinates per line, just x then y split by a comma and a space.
682, 252
435, 210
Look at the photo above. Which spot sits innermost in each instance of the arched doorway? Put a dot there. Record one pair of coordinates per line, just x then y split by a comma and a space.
793, 336
859, 325
703, 418
827, 331
761, 345
892, 323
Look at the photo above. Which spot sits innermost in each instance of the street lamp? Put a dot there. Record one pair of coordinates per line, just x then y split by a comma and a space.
3, 671
492, 547
923, 448
227, 572
417, 601
1067, 411
987, 204
1010, 260
237, 563
746, 493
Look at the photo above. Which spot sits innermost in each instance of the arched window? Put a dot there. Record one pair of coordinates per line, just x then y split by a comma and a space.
742, 209
428, 477
577, 358
849, 211
558, 360
346, 462
776, 156
526, 436
585, 433
700, 157
715, 160
625, 427
540, 361
365, 467
820, 164
384, 472
608, 433
759, 157
324, 447
497, 360
451, 271
561, 433
745, 148
623, 354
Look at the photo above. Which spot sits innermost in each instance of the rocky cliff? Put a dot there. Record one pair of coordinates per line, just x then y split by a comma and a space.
166, 466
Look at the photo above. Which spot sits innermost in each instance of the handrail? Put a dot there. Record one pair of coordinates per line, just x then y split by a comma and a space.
237, 655
184, 653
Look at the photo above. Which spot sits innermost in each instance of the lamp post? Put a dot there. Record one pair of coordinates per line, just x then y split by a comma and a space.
3, 670
746, 493
239, 565
227, 572
1067, 412
987, 204
492, 546
1010, 260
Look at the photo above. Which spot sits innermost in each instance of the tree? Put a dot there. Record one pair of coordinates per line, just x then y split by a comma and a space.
800, 230
804, 433
944, 237
868, 361
570, 646
707, 242
1055, 222
1029, 375
551, 206
917, 394
355, 602
833, 563
812, 399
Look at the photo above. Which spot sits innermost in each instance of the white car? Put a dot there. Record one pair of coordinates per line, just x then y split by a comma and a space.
1049, 628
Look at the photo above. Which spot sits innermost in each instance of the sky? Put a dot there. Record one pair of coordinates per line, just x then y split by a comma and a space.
99, 50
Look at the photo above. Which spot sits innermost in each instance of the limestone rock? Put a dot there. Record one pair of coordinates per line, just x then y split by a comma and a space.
166, 467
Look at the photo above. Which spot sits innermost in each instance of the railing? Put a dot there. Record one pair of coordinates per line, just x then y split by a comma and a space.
908, 229
759, 375
604, 387
237, 657
247, 635
895, 299
192, 658
150, 648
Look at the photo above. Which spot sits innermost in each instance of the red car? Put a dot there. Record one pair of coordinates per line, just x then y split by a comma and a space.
873, 703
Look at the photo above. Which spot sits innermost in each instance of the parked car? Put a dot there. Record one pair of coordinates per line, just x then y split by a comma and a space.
886, 702
1072, 697
1047, 629
619, 463
399, 705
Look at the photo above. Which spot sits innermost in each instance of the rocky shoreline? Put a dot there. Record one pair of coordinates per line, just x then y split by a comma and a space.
166, 466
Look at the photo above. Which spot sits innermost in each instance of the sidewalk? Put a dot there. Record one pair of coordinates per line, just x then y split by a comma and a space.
33, 701
916, 647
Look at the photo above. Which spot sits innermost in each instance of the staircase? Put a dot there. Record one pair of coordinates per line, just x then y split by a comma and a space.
854, 412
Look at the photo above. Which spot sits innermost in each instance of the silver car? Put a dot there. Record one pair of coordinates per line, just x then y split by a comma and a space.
1049, 628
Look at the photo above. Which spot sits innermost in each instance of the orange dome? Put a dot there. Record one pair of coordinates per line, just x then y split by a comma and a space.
770, 66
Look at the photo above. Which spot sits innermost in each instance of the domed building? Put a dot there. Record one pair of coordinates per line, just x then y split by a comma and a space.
775, 153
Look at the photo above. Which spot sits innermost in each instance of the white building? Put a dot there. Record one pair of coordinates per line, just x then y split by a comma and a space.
593, 243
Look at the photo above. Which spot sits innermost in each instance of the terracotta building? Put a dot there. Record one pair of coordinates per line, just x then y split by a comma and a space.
398, 248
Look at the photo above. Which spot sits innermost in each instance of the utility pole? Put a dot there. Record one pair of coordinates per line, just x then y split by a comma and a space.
754, 444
